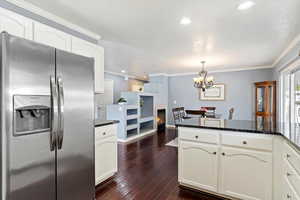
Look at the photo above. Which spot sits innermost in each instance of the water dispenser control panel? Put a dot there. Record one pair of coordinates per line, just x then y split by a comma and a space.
32, 114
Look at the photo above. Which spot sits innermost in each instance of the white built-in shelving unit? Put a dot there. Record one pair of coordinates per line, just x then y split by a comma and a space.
137, 117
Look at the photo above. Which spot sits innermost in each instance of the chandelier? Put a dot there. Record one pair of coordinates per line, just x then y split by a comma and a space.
203, 82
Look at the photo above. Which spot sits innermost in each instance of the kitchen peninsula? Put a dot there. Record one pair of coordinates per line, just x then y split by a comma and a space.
239, 159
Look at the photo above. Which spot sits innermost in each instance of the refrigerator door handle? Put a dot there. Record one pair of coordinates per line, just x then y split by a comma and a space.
54, 113
61, 112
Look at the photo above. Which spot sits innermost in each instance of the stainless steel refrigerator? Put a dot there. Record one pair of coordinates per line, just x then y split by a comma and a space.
47, 122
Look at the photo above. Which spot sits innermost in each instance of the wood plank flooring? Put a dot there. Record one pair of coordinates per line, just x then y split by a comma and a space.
148, 171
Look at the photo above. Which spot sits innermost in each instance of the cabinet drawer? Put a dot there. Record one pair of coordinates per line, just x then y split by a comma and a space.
292, 176
288, 193
253, 141
199, 135
105, 131
292, 157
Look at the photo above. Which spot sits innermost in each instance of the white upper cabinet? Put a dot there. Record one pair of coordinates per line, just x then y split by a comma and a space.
85, 48
15, 24
246, 174
52, 37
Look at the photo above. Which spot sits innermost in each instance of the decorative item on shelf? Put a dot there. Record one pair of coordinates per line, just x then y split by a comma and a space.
141, 102
203, 82
122, 101
216, 93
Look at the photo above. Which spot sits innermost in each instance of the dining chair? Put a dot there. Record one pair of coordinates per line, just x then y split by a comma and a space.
210, 111
178, 113
231, 111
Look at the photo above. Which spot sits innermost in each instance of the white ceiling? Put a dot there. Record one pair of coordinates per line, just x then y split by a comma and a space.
220, 34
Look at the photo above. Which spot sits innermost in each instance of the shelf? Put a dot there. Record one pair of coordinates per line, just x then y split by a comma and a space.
133, 111
133, 126
145, 130
132, 133
146, 126
132, 117
146, 119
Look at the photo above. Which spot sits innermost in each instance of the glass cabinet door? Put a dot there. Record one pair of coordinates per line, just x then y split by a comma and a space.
260, 99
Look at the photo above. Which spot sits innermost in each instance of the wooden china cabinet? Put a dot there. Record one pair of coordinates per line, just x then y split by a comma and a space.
265, 104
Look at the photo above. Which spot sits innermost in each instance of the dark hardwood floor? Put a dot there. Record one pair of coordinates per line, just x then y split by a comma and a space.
148, 171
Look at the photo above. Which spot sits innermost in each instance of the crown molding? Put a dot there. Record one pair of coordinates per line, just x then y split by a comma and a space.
158, 74
214, 71
287, 50
38, 11
120, 74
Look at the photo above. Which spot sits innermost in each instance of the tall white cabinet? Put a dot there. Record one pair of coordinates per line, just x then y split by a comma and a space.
23, 27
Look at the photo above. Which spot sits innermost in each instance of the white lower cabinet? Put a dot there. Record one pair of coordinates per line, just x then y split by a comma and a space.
246, 174
291, 173
106, 160
241, 168
198, 165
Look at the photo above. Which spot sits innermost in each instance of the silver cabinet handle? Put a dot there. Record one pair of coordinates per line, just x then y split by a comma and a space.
54, 113
61, 112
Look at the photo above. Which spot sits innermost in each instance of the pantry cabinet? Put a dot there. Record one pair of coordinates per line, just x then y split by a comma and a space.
15, 24
198, 165
246, 174
84, 48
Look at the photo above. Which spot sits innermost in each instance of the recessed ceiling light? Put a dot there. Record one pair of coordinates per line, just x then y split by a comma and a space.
185, 21
123, 71
246, 5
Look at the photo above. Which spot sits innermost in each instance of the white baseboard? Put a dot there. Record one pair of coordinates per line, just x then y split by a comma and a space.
170, 126
138, 137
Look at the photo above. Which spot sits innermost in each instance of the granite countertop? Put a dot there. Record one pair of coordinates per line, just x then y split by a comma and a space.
290, 131
99, 123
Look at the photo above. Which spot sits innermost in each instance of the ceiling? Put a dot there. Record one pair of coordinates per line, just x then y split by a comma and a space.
150, 34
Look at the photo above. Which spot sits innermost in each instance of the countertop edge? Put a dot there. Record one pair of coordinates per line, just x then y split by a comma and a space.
243, 130
105, 123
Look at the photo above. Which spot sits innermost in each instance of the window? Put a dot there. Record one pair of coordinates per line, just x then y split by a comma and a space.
290, 96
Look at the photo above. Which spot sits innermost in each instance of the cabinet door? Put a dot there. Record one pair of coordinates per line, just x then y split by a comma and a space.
85, 48
246, 174
52, 37
198, 165
15, 24
105, 158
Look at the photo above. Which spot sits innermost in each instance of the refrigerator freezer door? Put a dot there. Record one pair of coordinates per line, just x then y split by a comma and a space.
28, 163
75, 152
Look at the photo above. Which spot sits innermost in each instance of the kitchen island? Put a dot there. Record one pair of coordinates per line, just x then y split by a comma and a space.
239, 159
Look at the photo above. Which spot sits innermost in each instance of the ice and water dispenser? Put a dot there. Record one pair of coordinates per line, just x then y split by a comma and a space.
32, 114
